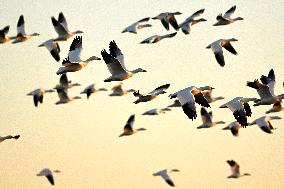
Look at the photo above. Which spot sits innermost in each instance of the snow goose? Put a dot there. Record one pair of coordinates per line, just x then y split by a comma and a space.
38, 95
234, 127
133, 28
208, 95
176, 103
151, 95
61, 28
128, 128
235, 168
118, 91
207, 119
115, 64
3, 34
216, 47
164, 174
264, 123
92, 89
265, 89
64, 83
168, 18
226, 19
63, 96
240, 108
9, 137
188, 97
48, 174
277, 107
156, 111
74, 62
21, 33
190, 21
53, 48
157, 38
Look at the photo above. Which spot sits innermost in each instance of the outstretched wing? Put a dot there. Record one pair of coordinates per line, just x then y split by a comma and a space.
112, 63
230, 12
75, 50
62, 20
21, 26
116, 53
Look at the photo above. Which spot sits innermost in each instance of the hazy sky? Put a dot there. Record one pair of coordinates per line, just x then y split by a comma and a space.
81, 138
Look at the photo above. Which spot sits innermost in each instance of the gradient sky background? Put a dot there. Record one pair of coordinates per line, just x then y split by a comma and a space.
81, 138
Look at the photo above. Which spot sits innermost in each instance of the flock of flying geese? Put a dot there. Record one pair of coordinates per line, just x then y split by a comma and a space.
187, 98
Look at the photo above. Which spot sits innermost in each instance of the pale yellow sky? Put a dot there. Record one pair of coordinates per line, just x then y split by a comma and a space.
81, 138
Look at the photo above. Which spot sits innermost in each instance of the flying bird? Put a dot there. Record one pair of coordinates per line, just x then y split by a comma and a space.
208, 95
117, 90
226, 18
21, 33
64, 83
165, 175
115, 64
277, 107
156, 111
53, 48
207, 119
235, 168
265, 124
74, 62
176, 103
157, 38
151, 95
61, 28
48, 174
133, 28
9, 137
168, 18
190, 21
3, 35
63, 96
234, 128
216, 47
38, 95
92, 89
128, 128
188, 97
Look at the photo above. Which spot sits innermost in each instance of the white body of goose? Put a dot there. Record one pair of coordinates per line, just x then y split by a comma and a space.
74, 62
240, 108
48, 174
115, 64
277, 107
226, 18
117, 90
156, 111
21, 33
133, 28
235, 168
9, 137
168, 18
234, 128
264, 123
188, 97
207, 121
190, 21
151, 95
38, 95
265, 89
128, 128
3, 35
61, 28
63, 96
165, 175
92, 89
53, 48
216, 47
157, 38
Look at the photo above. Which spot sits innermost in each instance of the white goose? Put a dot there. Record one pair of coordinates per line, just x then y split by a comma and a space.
92, 89
133, 28
151, 95
277, 107
38, 95
207, 119
9, 137
190, 21
21, 33
235, 168
216, 47
226, 19
128, 128
48, 174
240, 108
168, 18
208, 95
188, 97
265, 89
74, 62
64, 83
61, 28
53, 48
157, 38
156, 111
165, 175
264, 123
3, 35
115, 64
63, 96
118, 91
234, 128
